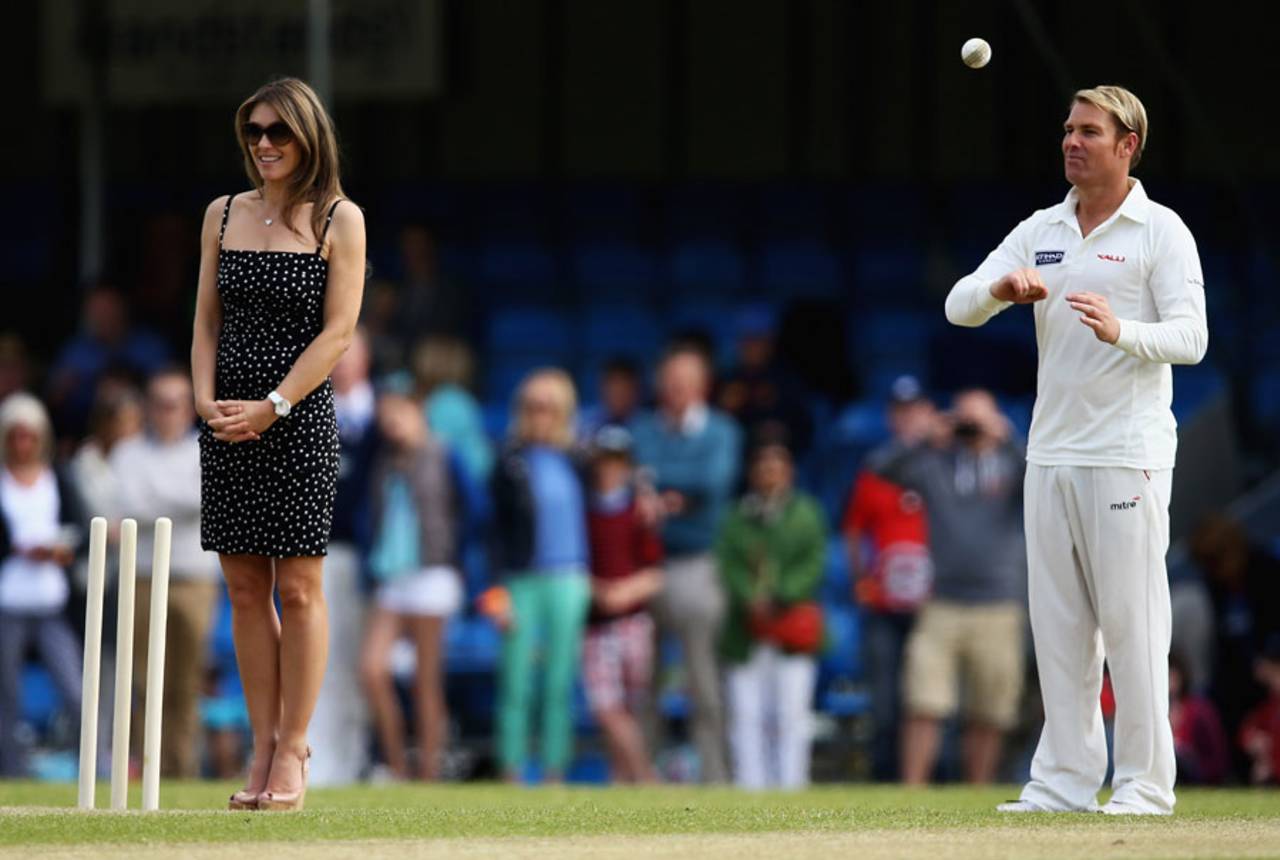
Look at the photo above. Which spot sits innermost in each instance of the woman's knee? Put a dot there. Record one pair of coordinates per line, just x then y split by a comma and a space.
299, 589
248, 587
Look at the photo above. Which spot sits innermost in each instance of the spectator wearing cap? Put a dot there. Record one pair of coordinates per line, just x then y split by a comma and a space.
970, 633
771, 550
758, 391
693, 453
888, 543
617, 654
41, 523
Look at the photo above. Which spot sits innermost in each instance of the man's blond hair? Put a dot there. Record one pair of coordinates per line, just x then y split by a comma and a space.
1125, 108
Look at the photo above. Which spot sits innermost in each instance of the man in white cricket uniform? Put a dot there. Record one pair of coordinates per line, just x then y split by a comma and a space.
1118, 294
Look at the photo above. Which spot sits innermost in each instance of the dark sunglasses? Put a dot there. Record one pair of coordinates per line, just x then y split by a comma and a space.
277, 134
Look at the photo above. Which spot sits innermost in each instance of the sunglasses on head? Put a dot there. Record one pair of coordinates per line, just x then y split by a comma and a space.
277, 134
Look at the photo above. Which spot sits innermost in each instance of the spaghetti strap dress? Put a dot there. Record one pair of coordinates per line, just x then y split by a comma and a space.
272, 496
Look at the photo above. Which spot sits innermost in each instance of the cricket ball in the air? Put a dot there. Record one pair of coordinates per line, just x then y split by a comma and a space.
976, 53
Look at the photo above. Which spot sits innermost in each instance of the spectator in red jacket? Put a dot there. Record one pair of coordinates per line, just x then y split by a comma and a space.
888, 540
618, 650
1199, 742
1260, 732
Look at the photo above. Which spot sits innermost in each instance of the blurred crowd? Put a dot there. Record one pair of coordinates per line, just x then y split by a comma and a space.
635, 530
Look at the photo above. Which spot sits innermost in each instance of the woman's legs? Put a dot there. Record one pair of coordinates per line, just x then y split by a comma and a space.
514, 690
255, 629
433, 715
565, 602
304, 651
375, 675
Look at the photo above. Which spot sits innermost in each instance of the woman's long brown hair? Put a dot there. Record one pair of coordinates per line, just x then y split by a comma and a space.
316, 179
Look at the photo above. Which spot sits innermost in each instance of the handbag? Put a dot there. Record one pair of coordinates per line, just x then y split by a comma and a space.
797, 628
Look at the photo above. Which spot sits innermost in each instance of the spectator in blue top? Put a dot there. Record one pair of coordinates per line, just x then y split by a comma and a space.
540, 548
692, 453
106, 342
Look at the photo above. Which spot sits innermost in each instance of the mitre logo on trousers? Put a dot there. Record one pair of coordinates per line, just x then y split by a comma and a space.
1124, 506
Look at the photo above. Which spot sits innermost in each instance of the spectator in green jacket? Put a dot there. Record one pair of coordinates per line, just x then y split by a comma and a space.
771, 551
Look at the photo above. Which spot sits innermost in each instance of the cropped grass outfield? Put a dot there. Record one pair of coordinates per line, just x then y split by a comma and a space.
38, 821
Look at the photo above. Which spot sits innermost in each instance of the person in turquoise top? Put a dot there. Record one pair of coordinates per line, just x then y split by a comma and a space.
540, 549
771, 551
442, 369
692, 454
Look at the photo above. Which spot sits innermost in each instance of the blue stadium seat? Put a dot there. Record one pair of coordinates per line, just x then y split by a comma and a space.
800, 268
836, 576
1265, 396
630, 330
617, 271
708, 266
528, 330
1193, 387
881, 335
840, 669
472, 645
518, 270
39, 696
886, 215
888, 276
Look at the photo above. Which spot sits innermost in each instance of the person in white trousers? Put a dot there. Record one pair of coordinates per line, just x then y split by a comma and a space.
1118, 294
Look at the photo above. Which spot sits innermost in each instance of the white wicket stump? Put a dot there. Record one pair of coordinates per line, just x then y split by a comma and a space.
155, 665
123, 700
92, 661
122, 703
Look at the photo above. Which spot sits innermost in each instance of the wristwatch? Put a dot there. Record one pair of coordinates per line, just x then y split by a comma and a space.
281, 405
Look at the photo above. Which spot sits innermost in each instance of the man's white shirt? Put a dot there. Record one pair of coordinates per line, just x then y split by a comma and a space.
1099, 404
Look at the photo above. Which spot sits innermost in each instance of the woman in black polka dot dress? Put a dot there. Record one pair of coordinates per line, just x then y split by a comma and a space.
281, 277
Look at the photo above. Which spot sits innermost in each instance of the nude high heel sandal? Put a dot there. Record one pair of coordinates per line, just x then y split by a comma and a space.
292, 801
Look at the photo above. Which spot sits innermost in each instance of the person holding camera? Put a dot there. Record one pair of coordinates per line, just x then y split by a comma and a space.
970, 633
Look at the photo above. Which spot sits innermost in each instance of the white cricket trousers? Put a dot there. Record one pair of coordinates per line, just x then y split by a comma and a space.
1096, 544
771, 718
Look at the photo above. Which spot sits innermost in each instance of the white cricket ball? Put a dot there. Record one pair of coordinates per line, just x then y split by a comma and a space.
976, 53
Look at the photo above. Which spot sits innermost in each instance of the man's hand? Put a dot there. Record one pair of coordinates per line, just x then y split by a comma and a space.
1096, 314
1021, 286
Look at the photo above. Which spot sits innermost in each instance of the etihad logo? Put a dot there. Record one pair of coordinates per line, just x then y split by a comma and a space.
1049, 258
1124, 506
1111, 258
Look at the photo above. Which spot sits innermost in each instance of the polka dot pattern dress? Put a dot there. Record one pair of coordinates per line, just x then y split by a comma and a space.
272, 496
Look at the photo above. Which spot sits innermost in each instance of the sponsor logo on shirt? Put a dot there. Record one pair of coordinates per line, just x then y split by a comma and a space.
1111, 258
1124, 506
1048, 258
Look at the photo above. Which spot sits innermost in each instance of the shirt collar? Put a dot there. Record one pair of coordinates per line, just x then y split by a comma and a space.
693, 422
1136, 205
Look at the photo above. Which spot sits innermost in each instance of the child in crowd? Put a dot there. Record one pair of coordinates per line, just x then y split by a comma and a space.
618, 649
